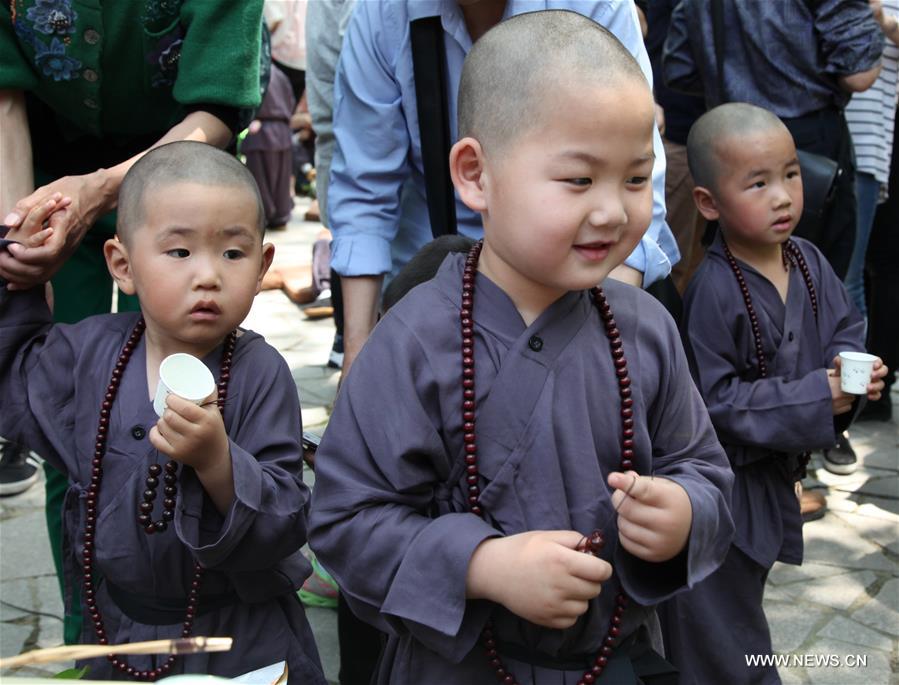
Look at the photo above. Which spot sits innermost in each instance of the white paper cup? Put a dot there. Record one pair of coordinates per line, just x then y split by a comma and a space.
183, 375
855, 372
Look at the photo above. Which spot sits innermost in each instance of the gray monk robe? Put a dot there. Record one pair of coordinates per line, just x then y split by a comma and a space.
389, 517
52, 381
764, 424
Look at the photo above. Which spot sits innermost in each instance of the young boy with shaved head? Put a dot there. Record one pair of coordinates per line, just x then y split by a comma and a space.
546, 472
209, 543
765, 317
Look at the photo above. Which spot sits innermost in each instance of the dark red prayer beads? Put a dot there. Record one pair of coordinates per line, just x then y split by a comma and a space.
170, 478
93, 496
593, 544
791, 255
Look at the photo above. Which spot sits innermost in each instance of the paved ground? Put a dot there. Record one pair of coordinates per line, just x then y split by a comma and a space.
836, 618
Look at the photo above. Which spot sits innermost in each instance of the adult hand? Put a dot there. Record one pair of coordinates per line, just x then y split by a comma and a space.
540, 576
90, 197
654, 515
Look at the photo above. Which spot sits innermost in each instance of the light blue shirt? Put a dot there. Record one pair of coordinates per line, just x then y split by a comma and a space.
377, 205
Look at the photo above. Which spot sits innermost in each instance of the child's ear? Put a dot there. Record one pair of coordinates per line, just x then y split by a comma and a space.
467, 168
268, 254
705, 203
119, 264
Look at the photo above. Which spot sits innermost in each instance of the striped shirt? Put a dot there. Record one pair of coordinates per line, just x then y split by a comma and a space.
871, 114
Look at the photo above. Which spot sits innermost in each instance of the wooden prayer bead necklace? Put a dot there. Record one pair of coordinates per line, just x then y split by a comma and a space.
791, 254
93, 496
170, 492
595, 541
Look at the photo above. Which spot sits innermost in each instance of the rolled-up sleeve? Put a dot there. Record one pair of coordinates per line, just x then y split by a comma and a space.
851, 40
657, 251
370, 162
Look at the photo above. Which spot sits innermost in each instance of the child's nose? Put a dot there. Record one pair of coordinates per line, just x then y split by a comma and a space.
608, 210
206, 274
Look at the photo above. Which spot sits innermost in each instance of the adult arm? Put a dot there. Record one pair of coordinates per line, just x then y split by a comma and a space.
850, 42
16, 172
657, 251
680, 68
369, 167
889, 23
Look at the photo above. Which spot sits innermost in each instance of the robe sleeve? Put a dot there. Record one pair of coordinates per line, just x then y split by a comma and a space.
774, 413
38, 407
685, 449
267, 520
376, 474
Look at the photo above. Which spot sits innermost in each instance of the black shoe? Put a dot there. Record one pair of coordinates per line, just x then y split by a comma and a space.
17, 470
840, 459
335, 358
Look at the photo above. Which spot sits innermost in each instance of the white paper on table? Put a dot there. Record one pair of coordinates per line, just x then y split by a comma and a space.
263, 676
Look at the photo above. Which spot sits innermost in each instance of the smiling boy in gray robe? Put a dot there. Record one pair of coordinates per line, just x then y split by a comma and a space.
522, 414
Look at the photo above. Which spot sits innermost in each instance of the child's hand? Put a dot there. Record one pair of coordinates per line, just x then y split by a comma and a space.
654, 521
875, 387
841, 401
194, 435
539, 576
31, 231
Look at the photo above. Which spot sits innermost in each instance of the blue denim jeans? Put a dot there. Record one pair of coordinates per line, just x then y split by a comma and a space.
867, 190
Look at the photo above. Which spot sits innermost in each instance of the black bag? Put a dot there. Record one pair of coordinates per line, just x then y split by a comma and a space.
819, 173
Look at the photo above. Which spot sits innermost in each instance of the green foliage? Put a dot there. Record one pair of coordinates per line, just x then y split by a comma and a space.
72, 673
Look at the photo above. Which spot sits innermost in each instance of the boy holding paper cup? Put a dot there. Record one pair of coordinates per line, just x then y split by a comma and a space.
765, 319
188, 523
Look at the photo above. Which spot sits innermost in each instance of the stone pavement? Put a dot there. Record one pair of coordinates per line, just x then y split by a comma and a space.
835, 618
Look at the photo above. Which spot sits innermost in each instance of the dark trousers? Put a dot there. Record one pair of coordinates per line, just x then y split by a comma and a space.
825, 133
710, 629
882, 266
360, 647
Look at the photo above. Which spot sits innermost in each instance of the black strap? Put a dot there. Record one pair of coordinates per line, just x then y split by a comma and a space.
429, 68
718, 37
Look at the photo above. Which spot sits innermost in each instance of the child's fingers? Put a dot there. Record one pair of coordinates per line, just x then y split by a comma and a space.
159, 442
629, 485
186, 409
634, 547
38, 238
588, 567
637, 534
34, 222
176, 423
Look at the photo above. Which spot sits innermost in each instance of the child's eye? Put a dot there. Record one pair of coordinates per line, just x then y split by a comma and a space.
178, 252
792, 174
637, 180
758, 184
234, 254
582, 182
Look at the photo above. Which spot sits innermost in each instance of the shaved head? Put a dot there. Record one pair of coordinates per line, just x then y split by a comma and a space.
717, 128
512, 71
180, 162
